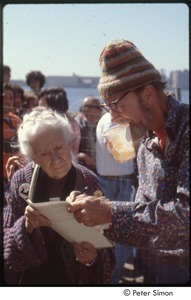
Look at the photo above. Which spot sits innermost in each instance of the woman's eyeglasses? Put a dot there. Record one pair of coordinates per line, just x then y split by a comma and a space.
113, 104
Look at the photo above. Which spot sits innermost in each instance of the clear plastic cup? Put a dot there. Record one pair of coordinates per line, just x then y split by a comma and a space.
120, 143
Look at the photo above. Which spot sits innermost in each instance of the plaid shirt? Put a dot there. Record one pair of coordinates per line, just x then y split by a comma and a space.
159, 218
88, 140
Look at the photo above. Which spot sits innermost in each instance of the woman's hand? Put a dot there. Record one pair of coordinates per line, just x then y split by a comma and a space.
34, 219
85, 253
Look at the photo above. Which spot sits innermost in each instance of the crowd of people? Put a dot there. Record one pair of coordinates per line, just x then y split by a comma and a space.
145, 200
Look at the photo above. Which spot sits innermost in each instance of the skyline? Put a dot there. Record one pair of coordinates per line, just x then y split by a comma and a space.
62, 39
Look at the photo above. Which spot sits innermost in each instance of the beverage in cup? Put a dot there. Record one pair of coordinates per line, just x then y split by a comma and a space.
120, 143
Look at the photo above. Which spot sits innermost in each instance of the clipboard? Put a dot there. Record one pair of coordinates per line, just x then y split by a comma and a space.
64, 222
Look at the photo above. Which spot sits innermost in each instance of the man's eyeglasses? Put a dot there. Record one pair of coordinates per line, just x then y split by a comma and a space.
113, 104
93, 106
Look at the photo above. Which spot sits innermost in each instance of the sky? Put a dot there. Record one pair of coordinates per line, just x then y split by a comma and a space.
63, 39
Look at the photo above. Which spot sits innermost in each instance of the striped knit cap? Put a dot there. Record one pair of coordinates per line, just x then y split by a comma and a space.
124, 68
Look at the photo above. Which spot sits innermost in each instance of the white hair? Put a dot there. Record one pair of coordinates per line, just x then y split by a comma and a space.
39, 121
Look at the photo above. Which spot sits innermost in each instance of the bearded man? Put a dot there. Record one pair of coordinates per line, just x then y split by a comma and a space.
158, 220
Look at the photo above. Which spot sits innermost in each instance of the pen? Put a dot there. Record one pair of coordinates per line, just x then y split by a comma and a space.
97, 193
82, 191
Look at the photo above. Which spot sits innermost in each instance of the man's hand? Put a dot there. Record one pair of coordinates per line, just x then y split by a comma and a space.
90, 210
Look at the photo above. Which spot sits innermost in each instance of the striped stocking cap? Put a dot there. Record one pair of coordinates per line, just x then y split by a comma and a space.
124, 68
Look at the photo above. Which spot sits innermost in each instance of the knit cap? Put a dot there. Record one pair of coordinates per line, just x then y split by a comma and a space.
124, 68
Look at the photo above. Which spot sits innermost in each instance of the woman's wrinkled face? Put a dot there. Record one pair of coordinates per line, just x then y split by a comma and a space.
52, 152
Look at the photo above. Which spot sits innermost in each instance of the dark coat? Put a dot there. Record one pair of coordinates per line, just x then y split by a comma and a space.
26, 257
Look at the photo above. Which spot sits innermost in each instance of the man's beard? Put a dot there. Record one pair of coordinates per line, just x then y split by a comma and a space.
140, 130
137, 131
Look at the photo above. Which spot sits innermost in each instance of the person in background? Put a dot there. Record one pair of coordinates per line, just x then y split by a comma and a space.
159, 219
56, 99
30, 101
17, 161
6, 74
35, 80
34, 254
10, 124
19, 99
118, 183
87, 151
79, 116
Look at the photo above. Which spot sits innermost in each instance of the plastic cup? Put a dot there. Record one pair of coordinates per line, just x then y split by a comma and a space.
120, 143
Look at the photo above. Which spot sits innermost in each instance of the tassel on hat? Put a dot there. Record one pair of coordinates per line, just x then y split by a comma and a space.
124, 68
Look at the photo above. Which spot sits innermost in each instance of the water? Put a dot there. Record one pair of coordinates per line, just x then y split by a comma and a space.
76, 95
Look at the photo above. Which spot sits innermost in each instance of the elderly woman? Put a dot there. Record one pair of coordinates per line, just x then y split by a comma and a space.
34, 254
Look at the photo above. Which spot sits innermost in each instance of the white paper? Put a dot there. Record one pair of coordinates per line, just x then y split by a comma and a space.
65, 224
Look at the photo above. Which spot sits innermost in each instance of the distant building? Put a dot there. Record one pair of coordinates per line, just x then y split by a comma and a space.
61, 81
72, 81
179, 79
163, 75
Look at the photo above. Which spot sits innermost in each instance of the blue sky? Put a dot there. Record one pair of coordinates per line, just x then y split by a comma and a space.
62, 39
